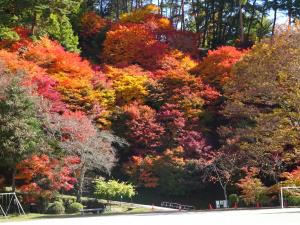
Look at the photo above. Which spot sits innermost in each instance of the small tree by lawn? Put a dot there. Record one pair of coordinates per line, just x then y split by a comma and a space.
113, 189
43, 177
222, 169
253, 190
80, 138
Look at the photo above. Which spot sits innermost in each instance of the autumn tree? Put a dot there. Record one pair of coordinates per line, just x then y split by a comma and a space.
150, 16
215, 68
170, 167
43, 176
291, 178
140, 171
253, 190
80, 138
144, 131
129, 83
222, 167
92, 32
188, 92
264, 123
79, 86
127, 44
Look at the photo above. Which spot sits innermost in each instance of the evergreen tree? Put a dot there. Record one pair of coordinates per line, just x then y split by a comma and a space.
20, 129
42, 17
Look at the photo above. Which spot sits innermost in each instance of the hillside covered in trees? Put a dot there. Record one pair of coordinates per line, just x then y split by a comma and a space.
174, 97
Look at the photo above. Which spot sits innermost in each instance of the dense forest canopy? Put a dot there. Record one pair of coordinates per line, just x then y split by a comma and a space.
171, 96
217, 22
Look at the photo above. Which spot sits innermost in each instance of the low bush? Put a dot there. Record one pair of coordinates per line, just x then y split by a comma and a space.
232, 199
293, 200
75, 207
56, 208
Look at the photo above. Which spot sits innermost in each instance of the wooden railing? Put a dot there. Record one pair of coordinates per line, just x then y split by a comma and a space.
176, 206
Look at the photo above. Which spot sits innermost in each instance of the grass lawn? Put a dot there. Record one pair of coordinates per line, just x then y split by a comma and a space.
114, 209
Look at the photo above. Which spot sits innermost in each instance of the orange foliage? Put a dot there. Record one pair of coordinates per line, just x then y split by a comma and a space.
52, 56
148, 15
146, 169
43, 176
216, 66
179, 85
292, 178
133, 44
35, 77
15, 64
74, 76
140, 169
177, 60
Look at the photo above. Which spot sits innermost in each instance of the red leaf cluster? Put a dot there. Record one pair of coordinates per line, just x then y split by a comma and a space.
43, 176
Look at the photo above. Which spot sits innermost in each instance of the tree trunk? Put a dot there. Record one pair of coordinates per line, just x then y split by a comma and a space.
80, 184
252, 18
225, 193
13, 179
182, 15
101, 8
161, 7
131, 5
289, 6
263, 13
220, 22
213, 14
125, 6
275, 17
117, 10
33, 24
241, 22
205, 25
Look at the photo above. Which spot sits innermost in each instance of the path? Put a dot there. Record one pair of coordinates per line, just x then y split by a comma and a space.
237, 217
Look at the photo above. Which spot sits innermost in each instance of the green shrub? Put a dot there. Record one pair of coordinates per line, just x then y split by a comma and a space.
75, 207
232, 199
58, 199
293, 200
264, 199
67, 201
68, 198
56, 208
113, 189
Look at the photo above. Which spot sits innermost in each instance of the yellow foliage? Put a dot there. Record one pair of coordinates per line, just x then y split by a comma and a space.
129, 83
186, 62
140, 14
178, 60
148, 15
164, 23
129, 88
80, 93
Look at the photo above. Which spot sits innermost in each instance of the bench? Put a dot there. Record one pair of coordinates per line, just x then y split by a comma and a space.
96, 210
